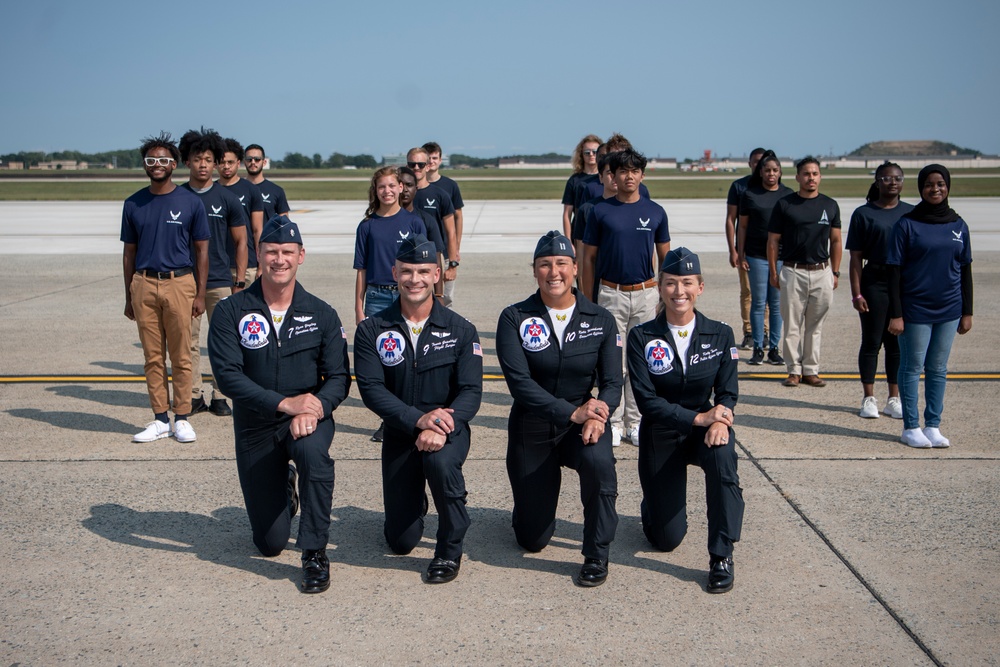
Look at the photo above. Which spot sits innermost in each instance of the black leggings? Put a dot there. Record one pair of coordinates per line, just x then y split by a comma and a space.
875, 326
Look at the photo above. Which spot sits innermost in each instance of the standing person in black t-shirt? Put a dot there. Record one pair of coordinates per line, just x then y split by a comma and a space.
732, 212
450, 188
806, 224
431, 217
253, 207
756, 203
275, 202
867, 241
584, 165
436, 201
201, 151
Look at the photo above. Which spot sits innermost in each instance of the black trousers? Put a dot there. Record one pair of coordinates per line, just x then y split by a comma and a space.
664, 456
536, 451
262, 457
405, 470
875, 327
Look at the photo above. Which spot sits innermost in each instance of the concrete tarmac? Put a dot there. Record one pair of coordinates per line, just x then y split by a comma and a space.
855, 550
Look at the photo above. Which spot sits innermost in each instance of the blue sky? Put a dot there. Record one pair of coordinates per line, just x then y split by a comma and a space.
502, 78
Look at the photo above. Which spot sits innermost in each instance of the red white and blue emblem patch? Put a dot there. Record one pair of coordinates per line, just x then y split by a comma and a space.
390, 346
534, 334
659, 356
253, 330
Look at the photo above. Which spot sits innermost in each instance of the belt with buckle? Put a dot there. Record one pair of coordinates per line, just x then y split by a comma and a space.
808, 267
629, 288
390, 288
165, 275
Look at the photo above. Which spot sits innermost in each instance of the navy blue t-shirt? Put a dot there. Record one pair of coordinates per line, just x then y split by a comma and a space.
930, 258
435, 201
569, 192
579, 226
224, 211
592, 189
804, 225
377, 241
249, 195
163, 228
451, 189
273, 196
871, 227
626, 235
757, 203
434, 224
736, 190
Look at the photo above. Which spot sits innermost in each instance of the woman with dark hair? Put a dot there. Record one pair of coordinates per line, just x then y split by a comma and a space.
554, 347
756, 203
930, 299
867, 241
584, 169
682, 366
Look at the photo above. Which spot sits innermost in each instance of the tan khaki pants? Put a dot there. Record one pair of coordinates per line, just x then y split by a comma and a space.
806, 297
628, 309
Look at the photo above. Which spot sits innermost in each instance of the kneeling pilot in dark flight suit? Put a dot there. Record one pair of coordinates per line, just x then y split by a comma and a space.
419, 367
281, 355
676, 363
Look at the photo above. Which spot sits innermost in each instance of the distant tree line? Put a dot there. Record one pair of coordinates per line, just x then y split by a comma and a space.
125, 159
335, 161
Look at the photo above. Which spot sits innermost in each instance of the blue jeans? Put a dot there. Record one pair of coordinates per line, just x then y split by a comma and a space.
378, 297
762, 293
924, 347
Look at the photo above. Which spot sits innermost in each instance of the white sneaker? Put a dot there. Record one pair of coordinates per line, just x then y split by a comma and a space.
869, 408
183, 431
893, 408
914, 437
616, 436
933, 434
632, 435
154, 431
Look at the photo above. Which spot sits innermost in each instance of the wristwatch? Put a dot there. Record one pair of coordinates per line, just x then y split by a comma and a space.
242, 284
836, 273
452, 264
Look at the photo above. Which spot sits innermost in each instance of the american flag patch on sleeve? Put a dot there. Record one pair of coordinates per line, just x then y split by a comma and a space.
618, 340
734, 353
477, 350
343, 334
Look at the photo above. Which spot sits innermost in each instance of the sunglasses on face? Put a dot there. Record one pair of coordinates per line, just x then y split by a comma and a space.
416, 165
253, 158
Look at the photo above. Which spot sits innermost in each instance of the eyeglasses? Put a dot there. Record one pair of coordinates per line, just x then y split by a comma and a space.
253, 158
229, 163
891, 179
590, 152
159, 161
416, 165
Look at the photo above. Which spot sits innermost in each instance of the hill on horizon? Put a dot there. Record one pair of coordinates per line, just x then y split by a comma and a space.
926, 147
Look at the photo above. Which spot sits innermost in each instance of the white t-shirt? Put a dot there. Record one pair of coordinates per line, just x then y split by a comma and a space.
278, 317
414, 329
682, 341
560, 320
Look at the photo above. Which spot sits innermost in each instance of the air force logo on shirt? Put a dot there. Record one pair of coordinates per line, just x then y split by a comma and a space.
174, 218
824, 220
534, 334
659, 357
390, 348
253, 330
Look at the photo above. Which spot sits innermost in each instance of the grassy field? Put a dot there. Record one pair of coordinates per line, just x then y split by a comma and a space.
484, 184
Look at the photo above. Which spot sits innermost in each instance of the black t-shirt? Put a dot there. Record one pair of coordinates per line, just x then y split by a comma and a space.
569, 192
224, 211
451, 189
804, 225
249, 195
871, 228
275, 202
736, 190
434, 203
757, 203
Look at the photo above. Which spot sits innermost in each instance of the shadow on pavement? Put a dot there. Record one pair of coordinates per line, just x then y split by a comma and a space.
75, 421
117, 397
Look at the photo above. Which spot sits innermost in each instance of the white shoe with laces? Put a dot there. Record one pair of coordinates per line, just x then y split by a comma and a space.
893, 408
183, 431
869, 408
933, 434
616, 436
914, 437
154, 431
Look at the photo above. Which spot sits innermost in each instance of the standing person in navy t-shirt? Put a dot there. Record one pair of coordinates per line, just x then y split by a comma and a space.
450, 188
430, 216
165, 265
436, 201
584, 167
868, 243
736, 190
202, 151
379, 235
930, 299
632, 234
805, 225
275, 202
253, 206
